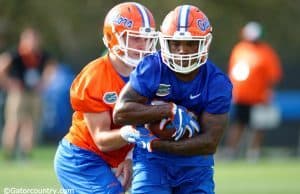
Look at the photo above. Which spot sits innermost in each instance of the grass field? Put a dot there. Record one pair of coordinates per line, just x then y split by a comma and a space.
279, 176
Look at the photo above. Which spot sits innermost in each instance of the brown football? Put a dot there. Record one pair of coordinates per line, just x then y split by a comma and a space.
166, 133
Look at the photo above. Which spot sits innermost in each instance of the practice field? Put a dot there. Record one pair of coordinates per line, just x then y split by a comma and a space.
280, 176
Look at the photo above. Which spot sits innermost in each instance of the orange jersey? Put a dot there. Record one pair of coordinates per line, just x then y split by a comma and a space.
95, 89
253, 70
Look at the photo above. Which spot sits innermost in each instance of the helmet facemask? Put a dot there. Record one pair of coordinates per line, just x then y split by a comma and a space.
132, 56
185, 63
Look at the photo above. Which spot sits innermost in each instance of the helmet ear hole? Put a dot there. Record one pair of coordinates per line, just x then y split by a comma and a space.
107, 40
108, 37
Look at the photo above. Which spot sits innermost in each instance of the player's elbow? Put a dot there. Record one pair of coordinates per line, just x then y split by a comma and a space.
207, 149
119, 114
212, 145
119, 118
211, 148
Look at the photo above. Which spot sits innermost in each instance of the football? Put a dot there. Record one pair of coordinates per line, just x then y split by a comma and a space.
166, 133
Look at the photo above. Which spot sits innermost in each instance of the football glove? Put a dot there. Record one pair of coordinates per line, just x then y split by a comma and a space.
183, 121
141, 136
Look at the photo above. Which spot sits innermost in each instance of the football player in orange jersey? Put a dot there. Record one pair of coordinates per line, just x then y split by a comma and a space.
93, 156
254, 69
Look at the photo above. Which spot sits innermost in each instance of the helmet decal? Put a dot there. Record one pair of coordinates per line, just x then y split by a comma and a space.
184, 17
120, 20
203, 24
143, 13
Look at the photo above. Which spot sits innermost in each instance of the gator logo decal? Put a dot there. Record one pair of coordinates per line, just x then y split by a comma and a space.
110, 97
203, 24
163, 90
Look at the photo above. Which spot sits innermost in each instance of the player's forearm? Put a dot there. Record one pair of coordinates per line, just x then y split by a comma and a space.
199, 145
133, 113
109, 140
212, 127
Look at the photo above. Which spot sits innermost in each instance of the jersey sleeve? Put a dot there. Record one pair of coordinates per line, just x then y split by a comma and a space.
219, 95
86, 93
145, 78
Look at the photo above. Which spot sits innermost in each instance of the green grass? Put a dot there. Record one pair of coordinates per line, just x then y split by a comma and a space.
276, 176
36, 173
266, 177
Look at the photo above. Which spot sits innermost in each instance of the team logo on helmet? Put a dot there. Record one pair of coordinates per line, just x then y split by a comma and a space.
110, 97
120, 20
203, 24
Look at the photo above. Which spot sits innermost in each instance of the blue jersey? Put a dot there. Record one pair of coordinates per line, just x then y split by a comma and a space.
210, 91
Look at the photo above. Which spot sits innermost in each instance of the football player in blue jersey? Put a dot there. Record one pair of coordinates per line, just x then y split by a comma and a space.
181, 75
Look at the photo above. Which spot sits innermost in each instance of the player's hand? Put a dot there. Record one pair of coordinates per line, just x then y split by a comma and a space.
124, 173
183, 121
141, 136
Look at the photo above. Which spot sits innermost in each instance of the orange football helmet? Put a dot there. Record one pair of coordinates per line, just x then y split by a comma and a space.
125, 21
187, 23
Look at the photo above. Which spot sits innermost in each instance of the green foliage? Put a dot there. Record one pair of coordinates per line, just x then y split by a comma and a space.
72, 29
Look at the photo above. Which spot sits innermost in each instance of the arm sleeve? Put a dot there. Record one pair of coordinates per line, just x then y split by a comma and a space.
86, 93
219, 95
145, 78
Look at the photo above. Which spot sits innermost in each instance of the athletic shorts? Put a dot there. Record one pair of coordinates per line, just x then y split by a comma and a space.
82, 171
165, 178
